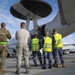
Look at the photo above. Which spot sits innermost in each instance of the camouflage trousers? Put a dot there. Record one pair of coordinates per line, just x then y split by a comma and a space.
22, 50
3, 55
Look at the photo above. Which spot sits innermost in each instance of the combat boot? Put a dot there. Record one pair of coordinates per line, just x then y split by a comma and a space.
2, 71
27, 70
50, 67
53, 64
41, 63
44, 67
35, 64
56, 65
18, 71
63, 65
0, 64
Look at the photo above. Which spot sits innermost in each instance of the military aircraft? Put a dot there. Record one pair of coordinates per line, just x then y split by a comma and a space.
64, 21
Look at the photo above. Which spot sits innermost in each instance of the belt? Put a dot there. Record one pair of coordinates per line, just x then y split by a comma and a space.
3, 43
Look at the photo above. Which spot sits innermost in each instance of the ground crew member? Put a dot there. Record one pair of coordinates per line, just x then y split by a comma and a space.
58, 48
47, 51
53, 49
22, 37
4, 35
35, 50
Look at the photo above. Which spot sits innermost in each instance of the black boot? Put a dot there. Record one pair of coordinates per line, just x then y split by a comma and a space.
35, 64
50, 67
44, 67
41, 63
56, 65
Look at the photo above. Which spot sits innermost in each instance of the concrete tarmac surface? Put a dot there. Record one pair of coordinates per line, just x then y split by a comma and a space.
10, 67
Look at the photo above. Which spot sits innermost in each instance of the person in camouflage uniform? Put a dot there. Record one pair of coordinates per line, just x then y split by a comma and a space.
4, 35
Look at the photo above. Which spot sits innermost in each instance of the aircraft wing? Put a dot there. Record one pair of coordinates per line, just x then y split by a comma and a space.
67, 11
68, 48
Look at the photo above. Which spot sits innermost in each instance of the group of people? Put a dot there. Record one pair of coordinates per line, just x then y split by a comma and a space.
48, 45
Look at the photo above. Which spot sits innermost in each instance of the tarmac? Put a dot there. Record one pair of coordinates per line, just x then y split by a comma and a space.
10, 67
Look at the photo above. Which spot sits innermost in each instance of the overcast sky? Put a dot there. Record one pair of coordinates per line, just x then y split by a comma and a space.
13, 23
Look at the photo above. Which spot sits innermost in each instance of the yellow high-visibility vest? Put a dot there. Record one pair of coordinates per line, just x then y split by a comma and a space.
58, 40
35, 44
47, 44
